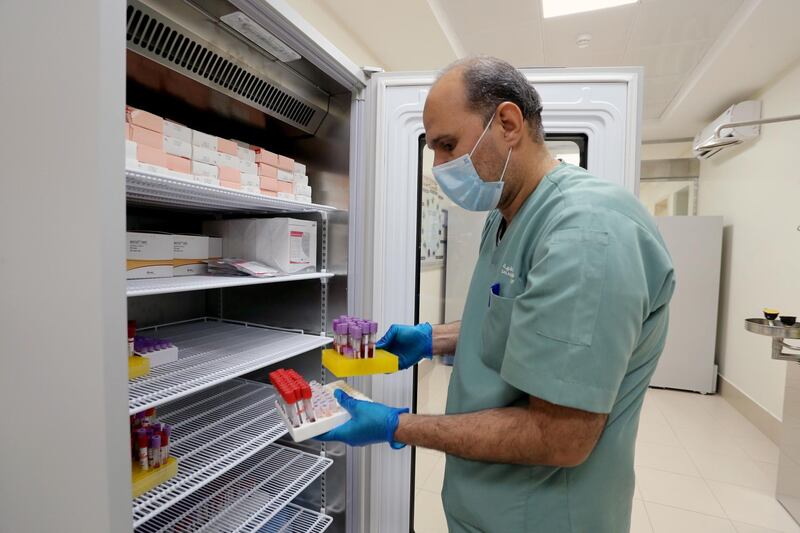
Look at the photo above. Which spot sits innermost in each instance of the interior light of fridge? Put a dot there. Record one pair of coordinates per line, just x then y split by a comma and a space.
264, 39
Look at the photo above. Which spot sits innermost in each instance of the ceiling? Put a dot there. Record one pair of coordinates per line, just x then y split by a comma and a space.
699, 56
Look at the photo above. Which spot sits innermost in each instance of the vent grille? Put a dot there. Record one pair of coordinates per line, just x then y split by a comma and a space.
158, 39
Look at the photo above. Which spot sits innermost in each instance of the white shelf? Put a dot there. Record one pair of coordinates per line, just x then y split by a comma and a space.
246, 497
296, 519
154, 189
211, 351
146, 287
212, 432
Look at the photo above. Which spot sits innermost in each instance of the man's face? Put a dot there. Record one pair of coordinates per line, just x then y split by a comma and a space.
452, 129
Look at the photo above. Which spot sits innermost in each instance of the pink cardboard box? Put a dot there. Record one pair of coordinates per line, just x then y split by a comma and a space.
230, 184
179, 164
285, 163
270, 184
265, 156
151, 156
285, 186
226, 147
128, 132
230, 174
146, 120
149, 137
273, 194
267, 170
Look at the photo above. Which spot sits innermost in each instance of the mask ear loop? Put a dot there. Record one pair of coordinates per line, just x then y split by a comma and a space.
482, 134
508, 158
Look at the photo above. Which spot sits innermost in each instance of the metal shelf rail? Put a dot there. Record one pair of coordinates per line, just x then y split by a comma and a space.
213, 431
246, 497
147, 287
161, 190
212, 351
296, 519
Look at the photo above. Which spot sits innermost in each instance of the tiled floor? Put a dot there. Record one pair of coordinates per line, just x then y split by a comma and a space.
701, 467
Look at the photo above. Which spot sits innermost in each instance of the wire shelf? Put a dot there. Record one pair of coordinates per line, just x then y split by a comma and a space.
211, 352
146, 287
246, 497
212, 432
296, 519
153, 189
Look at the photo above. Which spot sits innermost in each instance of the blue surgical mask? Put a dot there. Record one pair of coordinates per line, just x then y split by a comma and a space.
461, 183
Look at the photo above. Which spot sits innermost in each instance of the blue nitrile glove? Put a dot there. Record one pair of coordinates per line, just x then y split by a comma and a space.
409, 343
370, 423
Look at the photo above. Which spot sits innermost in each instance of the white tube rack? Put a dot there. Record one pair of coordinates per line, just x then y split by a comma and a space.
296, 519
161, 190
147, 287
248, 496
213, 431
212, 351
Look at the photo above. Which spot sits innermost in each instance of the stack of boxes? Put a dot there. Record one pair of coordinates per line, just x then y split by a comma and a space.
154, 144
163, 255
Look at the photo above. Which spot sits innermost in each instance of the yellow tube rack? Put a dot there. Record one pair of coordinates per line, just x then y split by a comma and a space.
138, 367
144, 480
343, 367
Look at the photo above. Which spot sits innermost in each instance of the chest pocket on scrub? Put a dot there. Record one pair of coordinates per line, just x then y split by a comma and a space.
494, 332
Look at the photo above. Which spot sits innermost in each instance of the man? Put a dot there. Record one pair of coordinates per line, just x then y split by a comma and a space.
563, 325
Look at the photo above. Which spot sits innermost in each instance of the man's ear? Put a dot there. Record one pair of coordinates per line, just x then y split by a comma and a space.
512, 122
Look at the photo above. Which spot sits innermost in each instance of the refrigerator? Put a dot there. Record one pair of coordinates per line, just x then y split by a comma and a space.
358, 131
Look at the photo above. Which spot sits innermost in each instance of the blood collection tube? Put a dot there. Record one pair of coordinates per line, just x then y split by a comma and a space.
131, 336
142, 441
309, 407
341, 337
166, 431
154, 451
355, 340
373, 334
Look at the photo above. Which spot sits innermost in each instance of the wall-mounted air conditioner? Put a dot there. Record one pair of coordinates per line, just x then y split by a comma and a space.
709, 142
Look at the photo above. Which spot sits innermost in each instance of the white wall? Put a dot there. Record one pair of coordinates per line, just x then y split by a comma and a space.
756, 188
666, 150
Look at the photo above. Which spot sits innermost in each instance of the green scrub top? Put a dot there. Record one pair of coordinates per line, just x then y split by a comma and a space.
579, 320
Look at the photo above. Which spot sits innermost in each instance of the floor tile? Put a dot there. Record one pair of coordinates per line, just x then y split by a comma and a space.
672, 520
640, 523
656, 433
750, 506
771, 471
668, 458
759, 448
730, 469
704, 438
428, 514
677, 490
747, 528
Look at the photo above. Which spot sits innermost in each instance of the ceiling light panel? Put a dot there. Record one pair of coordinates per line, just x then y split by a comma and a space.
558, 8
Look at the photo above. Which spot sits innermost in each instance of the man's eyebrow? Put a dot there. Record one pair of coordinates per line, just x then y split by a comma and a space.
438, 140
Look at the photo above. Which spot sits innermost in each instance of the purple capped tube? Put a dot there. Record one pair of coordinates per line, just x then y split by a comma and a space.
355, 340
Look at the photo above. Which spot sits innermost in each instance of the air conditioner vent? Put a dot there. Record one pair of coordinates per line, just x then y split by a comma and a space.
152, 35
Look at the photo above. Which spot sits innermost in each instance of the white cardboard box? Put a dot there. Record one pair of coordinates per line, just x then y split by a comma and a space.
302, 179
302, 199
130, 149
206, 180
189, 255
177, 131
284, 175
251, 189
205, 170
299, 168
149, 255
178, 147
287, 196
302, 190
204, 140
251, 180
288, 244
245, 153
227, 160
205, 155
248, 167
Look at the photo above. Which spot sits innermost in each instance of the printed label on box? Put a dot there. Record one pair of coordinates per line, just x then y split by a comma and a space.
299, 248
